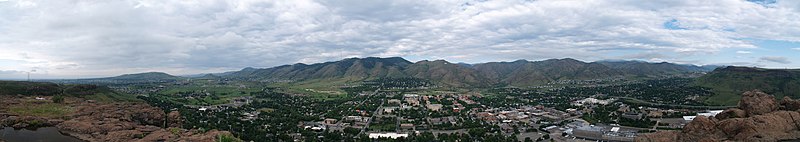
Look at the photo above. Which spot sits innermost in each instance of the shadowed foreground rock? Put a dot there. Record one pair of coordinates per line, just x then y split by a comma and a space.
757, 119
110, 122
125, 122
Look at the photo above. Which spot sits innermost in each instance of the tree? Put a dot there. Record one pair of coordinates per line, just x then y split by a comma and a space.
58, 99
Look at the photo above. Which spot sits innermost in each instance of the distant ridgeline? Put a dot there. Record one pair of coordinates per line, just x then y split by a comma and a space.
29, 88
371, 73
729, 82
148, 77
440, 72
24, 88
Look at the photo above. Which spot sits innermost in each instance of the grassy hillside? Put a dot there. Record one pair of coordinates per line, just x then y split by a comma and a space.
28, 88
729, 82
93, 92
327, 75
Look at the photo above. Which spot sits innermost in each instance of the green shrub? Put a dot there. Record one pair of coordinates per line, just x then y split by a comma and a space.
58, 99
227, 138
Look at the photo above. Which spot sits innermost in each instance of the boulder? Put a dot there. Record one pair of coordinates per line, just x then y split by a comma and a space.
790, 104
174, 119
756, 103
20, 125
757, 120
731, 113
738, 128
701, 127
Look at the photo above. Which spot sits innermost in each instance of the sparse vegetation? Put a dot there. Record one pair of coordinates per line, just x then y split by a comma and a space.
40, 109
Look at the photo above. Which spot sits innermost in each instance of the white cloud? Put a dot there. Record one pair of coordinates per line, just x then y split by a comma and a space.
79, 38
743, 52
798, 48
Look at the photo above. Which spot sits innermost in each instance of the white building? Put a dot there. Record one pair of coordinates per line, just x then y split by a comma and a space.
593, 101
387, 135
710, 113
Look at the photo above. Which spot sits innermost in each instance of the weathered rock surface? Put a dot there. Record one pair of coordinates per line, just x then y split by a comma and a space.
790, 104
663, 136
125, 122
112, 122
731, 113
757, 120
174, 119
757, 103
25, 121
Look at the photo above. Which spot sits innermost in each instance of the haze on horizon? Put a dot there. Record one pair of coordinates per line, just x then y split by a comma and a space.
79, 39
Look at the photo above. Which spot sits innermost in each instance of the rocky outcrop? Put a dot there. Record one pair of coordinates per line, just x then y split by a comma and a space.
174, 119
125, 122
756, 119
25, 121
757, 103
731, 113
111, 122
790, 104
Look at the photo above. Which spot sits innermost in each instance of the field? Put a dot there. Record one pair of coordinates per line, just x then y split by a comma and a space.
722, 97
40, 109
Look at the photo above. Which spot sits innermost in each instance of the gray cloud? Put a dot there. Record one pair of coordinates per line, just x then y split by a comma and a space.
100, 38
775, 59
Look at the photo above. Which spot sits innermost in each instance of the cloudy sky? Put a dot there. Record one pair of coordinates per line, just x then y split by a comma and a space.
77, 39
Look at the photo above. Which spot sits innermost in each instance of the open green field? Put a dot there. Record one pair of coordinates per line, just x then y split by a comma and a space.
721, 97
41, 109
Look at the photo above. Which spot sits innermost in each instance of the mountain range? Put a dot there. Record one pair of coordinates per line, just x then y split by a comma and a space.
726, 82
519, 73
515, 73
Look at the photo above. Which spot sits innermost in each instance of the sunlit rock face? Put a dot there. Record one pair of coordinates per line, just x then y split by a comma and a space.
759, 117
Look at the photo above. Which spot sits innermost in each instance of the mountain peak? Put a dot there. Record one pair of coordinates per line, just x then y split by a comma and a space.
388, 60
520, 61
147, 73
564, 61
439, 61
738, 69
145, 76
248, 69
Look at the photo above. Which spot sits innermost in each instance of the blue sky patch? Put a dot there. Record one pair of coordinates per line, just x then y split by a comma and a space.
673, 25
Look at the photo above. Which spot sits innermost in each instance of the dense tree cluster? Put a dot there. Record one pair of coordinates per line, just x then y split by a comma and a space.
672, 91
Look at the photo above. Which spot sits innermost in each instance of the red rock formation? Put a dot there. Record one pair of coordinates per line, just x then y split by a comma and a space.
174, 119
731, 113
110, 122
790, 104
764, 122
757, 103
129, 122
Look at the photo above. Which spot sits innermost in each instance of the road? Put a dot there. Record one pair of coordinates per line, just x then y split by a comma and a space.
372, 117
